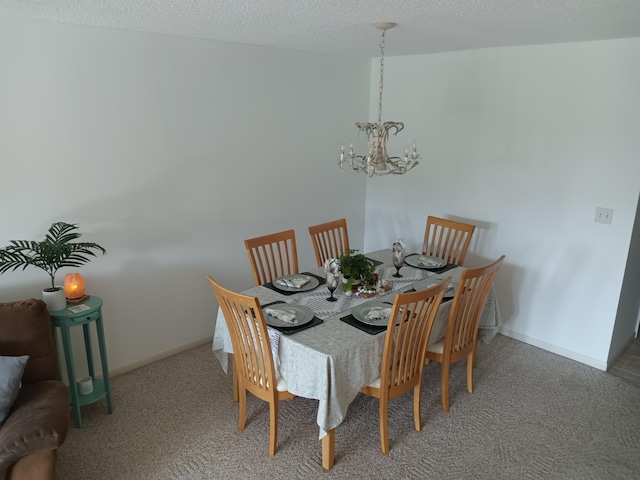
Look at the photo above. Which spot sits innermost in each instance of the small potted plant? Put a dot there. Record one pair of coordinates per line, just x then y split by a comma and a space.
357, 270
56, 251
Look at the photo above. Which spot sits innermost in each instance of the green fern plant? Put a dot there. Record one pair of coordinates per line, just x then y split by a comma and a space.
56, 251
356, 267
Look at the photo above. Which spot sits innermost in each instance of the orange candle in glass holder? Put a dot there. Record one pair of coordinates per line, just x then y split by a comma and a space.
73, 286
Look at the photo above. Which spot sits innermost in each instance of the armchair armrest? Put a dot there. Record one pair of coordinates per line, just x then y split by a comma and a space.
39, 420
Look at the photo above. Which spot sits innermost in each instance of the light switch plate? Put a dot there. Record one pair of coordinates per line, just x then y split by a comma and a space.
604, 215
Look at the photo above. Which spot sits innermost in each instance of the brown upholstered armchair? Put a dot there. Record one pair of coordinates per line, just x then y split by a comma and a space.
39, 419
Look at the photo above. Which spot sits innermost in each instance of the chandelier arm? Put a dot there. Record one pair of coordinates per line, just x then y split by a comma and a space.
398, 126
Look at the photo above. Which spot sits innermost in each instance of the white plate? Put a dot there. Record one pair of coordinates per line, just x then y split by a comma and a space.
313, 283
360, 313
430, 282
303, 315
413, 260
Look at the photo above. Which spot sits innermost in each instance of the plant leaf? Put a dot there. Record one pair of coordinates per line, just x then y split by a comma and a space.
57, 250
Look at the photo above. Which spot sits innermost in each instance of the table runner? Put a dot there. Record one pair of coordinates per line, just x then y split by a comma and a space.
316, 299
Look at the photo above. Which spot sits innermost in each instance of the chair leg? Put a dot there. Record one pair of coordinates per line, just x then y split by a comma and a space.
235, 382
384, 425
416, 406
445, 386
475, 350
273, 430
470, 360
242, 413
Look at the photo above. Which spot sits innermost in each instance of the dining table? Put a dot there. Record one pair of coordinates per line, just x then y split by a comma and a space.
336, 356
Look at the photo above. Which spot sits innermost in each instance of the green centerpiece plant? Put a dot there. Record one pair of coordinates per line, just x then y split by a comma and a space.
357, 270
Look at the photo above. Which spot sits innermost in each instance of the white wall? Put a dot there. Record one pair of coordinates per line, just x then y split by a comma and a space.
169, 152
525, 142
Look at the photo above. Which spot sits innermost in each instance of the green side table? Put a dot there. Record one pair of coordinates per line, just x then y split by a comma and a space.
64, 320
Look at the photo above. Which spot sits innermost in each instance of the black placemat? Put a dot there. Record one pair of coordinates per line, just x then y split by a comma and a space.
284, 292
295, 329
446, 268
444, 299
370, 329
436, 270
375, 262
265, 305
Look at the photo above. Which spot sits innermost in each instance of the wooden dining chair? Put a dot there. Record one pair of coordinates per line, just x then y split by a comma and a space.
252, 356
272, 256
410, 323
330, 240
447, 239
461, 335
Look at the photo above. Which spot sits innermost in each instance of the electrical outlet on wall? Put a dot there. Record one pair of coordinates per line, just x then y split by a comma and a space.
604, 215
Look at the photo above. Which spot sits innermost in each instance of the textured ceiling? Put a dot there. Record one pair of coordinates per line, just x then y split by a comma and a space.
345, 26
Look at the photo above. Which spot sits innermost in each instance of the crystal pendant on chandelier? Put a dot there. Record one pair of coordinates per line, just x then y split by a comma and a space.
377, 161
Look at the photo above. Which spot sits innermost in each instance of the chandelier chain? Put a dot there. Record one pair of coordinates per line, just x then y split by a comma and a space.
380, 84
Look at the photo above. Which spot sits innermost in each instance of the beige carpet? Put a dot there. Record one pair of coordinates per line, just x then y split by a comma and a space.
534, 415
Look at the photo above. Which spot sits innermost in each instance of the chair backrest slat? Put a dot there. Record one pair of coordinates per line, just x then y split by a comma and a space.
330, 240
447, 239
249, 337
408, 330
466, 309
272, 256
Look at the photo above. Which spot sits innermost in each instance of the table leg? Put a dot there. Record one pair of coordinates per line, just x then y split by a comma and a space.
105, 365
328, 448
71, 374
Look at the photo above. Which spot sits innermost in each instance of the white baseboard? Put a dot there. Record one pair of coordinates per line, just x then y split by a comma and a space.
592, 362
159, 356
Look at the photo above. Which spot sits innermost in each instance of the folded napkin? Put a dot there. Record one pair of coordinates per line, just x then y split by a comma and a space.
286, 315
296, 282
332, 265
428, 261
398, 246
378, 313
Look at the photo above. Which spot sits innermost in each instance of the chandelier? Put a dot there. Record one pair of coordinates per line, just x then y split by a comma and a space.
377, 161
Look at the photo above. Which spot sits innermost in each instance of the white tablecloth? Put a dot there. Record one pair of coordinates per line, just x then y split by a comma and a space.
332, 361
